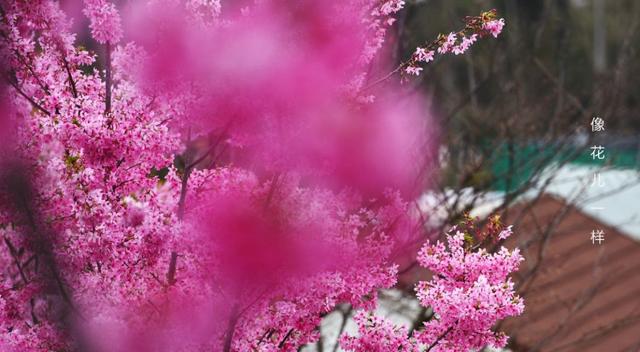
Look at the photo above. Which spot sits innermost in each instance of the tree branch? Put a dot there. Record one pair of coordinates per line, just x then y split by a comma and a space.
107, 103
431, 346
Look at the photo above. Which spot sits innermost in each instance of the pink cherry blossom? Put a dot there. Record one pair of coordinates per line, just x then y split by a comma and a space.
465, 44
506, 233
413, 70
104, 21
422, 55
377, 334
456, 43
469, 293
221, 181
494, 27
391, 6
448, 43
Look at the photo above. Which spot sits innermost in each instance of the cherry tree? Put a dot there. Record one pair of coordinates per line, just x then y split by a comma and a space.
221, 180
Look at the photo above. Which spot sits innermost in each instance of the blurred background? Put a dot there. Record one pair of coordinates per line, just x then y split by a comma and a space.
541, 126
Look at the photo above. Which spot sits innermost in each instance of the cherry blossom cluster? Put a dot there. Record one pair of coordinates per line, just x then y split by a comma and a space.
104, 21
380, 19
455, 42
182, 195
377, 334
105, 218
469, 293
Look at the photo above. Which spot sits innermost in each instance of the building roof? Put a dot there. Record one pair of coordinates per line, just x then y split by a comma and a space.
614, 200
579, 296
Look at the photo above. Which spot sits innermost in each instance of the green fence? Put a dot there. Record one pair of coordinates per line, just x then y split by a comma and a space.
511, 167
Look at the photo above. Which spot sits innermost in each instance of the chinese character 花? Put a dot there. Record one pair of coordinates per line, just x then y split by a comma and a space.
598, 152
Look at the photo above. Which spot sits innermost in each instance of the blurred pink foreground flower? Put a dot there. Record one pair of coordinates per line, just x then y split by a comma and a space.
280, 94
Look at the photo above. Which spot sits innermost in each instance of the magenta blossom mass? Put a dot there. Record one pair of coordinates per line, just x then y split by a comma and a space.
186, 176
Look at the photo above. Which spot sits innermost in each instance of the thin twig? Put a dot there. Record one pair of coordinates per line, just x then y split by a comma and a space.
33, 103
384, 78
171, 274
431, 346
14, 255
72, 82
281, 344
